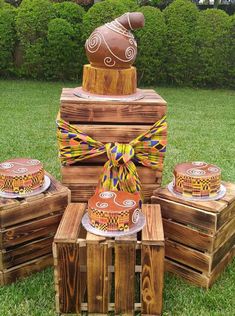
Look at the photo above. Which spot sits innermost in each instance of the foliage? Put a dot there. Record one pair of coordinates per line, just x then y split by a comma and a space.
151, 46
181, 18
231, 54
212, 40
7, 38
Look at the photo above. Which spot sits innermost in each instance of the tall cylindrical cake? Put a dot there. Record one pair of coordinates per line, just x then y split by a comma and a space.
197, 179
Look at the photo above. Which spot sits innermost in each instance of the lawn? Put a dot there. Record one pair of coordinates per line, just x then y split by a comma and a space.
201, 127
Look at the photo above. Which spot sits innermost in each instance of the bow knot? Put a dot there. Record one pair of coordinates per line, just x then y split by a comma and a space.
119, 154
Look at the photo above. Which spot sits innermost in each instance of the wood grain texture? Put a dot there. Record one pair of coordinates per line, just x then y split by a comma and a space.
69, 227
68, 269
73, 109
98, 277
125, 257
106, 81
16, 235
153, 230
224, 233
188, 236
185, 214
152, 260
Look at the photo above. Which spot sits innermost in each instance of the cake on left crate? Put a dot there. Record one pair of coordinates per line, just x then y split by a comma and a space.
27, 228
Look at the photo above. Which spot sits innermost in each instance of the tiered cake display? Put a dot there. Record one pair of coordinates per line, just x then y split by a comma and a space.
109, 132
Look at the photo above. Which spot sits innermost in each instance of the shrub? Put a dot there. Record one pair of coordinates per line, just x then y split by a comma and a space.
212, 37
102, 12
151, 42
62, 53
7, 39
32, 25
181, 18
231, 54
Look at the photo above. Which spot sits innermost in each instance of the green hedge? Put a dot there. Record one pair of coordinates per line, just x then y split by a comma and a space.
180, 45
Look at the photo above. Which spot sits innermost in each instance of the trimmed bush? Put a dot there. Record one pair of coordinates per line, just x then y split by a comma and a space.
62, 53
181, 20
231, 54
7, 39
101, 13
71, 12
212, 39
151, 46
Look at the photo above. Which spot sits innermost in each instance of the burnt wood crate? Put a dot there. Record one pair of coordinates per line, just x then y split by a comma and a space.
98, 274
200, 236
27, 228
108, 121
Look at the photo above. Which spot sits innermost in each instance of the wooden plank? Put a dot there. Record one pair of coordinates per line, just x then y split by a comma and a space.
187, 274
69, 227
68, 269
82, 192
115, 133
125, 256
25, 269
188, 256
19, 234
152, 260
98, 276
30, 231
218, 270
220, 253
226, 215
28, 211
152, 232
224, 233
188, 235
188, 215
91, 174
25, 253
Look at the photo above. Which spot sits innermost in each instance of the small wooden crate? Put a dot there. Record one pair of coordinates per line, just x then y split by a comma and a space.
27, 228
200, 236
89, 269
108, 121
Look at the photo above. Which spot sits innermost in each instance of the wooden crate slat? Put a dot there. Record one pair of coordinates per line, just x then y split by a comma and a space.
192, 216
98, 277
152, 107
25, 253
91, 174
68, 269
125, 257
30, 230
152, 258
68, 229
153, 230
224, 233
187, 235
226, 215
188, 256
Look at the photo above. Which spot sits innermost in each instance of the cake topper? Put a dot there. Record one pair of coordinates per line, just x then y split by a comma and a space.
112, 45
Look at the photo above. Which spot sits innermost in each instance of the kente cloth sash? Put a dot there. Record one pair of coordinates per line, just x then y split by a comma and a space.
119, 172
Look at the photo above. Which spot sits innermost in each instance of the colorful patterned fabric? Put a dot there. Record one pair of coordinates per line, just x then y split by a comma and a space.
119, 172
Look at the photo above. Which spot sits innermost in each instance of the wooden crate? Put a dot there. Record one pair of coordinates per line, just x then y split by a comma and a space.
108, 121
200, 236
27, 228
90, 270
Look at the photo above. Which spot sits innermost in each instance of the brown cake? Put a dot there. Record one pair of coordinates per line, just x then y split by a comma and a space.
197, 179
113, 210
21, 175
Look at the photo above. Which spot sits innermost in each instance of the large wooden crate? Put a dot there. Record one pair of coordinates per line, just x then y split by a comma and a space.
99, 275
27, 228
108, 121
200, 236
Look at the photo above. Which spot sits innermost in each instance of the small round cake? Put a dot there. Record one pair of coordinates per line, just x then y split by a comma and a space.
197, 179
21, 175
113, 211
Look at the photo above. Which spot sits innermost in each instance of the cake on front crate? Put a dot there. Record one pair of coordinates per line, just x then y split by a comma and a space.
111, 116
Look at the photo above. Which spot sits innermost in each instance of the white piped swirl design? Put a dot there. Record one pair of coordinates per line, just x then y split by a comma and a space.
196, 172
109, 195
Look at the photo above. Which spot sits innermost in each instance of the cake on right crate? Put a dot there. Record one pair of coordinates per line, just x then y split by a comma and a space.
200, 235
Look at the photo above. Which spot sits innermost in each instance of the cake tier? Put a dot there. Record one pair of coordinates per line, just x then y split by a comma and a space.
113, 210
21, 175
197, 179
109, 82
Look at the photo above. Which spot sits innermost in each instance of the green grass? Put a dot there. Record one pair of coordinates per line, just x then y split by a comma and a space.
201, 127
